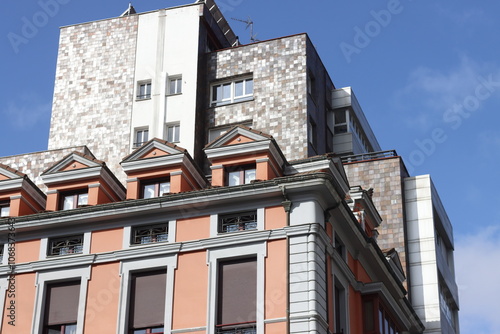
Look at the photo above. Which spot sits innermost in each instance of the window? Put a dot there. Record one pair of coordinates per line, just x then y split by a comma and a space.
4, 209
175, 85
238, 175
74, 200
312, 133
173, 132
155, 188
61, 308
1, 253
340, 117
235, 222
339, 310
311, 84
230, 92
141, 136
144, 90
66, 245
237, 297
147, 302
149, 234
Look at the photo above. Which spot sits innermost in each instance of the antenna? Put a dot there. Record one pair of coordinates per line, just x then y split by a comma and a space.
249, 22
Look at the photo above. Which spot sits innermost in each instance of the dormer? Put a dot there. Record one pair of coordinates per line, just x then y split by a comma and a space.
19, 196
364, 210
243, 155
80, 180
159, 168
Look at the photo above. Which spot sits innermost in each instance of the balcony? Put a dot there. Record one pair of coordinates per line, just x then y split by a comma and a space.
240, 328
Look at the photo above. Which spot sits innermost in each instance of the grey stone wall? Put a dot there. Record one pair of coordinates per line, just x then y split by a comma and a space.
94, 89
385, 176
279, 107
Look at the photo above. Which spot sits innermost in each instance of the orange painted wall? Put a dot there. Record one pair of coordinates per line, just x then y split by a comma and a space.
192, 229
276, 328
190, 295
74, 165
355, 308
27, 251
240, 139
3, 177
358, 270
154, 153
133, 190
102, 299
218, 177
276, 279
106, 241
52, 202
24, 304
15, 207
176, 183
275, 217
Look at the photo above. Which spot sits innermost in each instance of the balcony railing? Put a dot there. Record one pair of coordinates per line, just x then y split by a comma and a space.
240, 328
369, 156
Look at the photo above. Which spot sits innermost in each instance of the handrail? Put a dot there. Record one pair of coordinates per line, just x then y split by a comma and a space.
369, 156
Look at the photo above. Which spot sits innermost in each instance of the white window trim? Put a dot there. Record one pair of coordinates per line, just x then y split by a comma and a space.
174, 78
42, 279
44, 244
127, 235
126, 268
233, 98
136, 130
213, 259
138, 88
214, 221
173, 124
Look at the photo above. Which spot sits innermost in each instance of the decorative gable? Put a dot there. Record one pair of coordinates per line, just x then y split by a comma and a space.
244, 148
160, 164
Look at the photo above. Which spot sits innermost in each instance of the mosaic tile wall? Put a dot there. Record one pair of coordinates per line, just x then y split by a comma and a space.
279, 107
94, 88
385, 176
34, 164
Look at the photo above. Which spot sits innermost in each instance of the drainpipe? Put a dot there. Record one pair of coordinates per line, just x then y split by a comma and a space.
287, 206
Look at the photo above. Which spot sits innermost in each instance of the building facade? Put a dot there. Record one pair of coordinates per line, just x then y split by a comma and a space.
195, 185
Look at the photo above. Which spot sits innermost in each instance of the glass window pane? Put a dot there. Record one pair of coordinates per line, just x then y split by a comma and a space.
249, 175
234, 178
148, 90
179, 86
226, 93
145, 134
248, 86
177, 129
340, 117
68, 202
381, 321
149, 191
238, 89
170, 134
70, 329
83, 199
4, 211
164, 188
158, 330
140, 331
216, 93
172, 87
54, 331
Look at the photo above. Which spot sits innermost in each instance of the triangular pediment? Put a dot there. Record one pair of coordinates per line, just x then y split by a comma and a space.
74, 161
7, 173
238, 135
154, 148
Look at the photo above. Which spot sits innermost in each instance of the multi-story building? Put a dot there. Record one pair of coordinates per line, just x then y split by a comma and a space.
195, 185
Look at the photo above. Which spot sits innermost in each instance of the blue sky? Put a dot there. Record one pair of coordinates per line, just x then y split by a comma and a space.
427, 74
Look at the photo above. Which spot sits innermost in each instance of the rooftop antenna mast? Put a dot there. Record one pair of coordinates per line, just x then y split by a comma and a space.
249, 23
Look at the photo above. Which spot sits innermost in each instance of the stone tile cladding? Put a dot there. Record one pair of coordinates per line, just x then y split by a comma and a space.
279, 107
34, 164
385, 176
94, 88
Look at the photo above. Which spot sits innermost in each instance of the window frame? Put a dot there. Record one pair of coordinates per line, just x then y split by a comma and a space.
76, 199
81, 249
144, 137
151, 235
3, 205
147, 95
242, 170
176, 80
176, 132
239, 224
157, 186
246, 96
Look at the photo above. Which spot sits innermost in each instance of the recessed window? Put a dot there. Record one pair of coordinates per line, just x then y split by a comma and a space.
147, 302
1, 253
237, 297
149, 234
155, 188
173, 132
61, 308
4, 209
238, 175
236, 222
66, 245
311, 85
144, 90
312, 133
340, 117
175, 85
141, 136
231, 92
74, 200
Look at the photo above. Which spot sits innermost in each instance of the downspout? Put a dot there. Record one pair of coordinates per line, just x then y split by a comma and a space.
287, 206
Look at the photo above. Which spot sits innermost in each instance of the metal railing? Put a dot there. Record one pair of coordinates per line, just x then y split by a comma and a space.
369, 156
240, 328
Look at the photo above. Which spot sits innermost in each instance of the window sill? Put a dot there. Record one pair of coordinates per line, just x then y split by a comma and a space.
175, 94
139, 99
213, 106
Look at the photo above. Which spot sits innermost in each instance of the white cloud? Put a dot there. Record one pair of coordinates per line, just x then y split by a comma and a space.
429, 93
477, 262
25, 112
